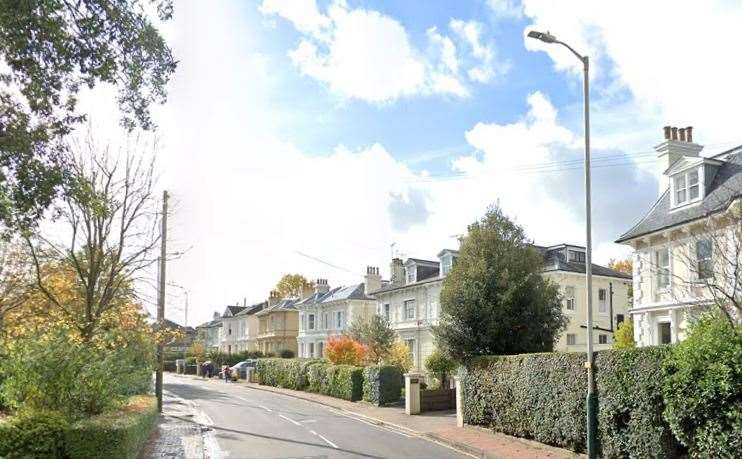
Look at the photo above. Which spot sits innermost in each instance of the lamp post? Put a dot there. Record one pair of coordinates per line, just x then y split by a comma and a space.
592, 398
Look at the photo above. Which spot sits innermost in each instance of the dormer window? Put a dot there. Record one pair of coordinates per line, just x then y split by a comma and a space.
576, 256
447, 262
411, 274
686, 187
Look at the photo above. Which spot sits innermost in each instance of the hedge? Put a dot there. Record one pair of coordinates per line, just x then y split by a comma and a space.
33, 434
286, 373
542, 397
119, 434
382, 384
340, 381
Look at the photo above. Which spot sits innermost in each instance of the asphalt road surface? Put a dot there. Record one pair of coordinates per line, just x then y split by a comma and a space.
249, 423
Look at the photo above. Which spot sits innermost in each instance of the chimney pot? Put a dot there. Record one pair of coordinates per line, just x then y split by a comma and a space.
681, 131
667, 132
674, 133
689, 133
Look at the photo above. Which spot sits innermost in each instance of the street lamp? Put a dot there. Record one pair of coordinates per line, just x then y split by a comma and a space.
592, 398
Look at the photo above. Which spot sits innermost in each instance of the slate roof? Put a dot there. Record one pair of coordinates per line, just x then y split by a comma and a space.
561, 265
351, 292
212, 323
232, 311
391, 287
283, 305
170, 324
724, 188
250, 310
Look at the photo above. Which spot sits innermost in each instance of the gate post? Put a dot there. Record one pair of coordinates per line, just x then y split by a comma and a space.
459, 401
412, 393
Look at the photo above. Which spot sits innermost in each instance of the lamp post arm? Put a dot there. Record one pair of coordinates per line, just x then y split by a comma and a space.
579, 56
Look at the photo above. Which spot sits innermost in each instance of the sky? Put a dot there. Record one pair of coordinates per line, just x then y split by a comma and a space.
319, 137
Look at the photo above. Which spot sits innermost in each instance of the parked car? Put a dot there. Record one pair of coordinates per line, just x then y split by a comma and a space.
239, 370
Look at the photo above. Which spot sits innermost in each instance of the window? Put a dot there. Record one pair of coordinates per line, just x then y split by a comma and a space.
602, 339
687, 187
311, 321
577, 256
680, 191
693, 187
569, 298
320, 349
340, 319
386, 312
602, 301
411, 274
664, 333
301, 350
411, 348
704, 266
571, 339
619, 319
662, 263
229, 330
409, 309
311, 349
326, 321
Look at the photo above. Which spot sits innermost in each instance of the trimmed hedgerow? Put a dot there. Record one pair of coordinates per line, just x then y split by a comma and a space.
382, 384
630, 421
120, 434
340, 381
542, 397
286, 373
33, 434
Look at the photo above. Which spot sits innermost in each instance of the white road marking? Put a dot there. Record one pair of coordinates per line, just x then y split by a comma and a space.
308, 420
266, 408
289, 419
328, 441
313, 432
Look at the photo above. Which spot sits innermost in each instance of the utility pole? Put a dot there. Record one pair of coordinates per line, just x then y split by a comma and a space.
161, 302
186, 309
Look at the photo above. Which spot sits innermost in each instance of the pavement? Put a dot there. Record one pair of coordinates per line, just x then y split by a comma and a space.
248, 420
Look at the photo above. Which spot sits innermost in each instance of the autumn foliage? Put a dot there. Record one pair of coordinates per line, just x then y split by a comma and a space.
343, 350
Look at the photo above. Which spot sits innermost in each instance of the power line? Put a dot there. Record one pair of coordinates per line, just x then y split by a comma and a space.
327, 263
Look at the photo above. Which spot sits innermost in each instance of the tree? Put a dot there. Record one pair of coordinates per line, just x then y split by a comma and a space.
625, 266
292, 285
495, 301
51, 49
375, 333
624, 336
344, 350
110, 215
441, 365
399, 356
15, 277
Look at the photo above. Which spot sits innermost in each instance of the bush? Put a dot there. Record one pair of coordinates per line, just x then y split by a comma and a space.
624, 336
120, 434
33, 434
287, 373
56, 372
344, 350
317, 378
399, 356
340, 381
542, 397
440, 365
287, 354
382, 384
703, 387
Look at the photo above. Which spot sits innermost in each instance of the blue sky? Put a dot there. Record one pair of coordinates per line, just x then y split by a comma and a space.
338, 127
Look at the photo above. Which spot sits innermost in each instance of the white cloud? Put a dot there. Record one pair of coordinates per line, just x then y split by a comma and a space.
511, 9
366, 55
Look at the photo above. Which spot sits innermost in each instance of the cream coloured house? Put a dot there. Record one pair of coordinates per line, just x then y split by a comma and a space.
565, 265
679, 243
247, 325
329, 312
278, 326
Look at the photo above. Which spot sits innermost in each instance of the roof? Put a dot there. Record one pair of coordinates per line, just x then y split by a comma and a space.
283, 305
170, 324
351, 292
233, 310
392, 287
723, 189
211, 323
444, 251
561, 265
420, 261
250, 310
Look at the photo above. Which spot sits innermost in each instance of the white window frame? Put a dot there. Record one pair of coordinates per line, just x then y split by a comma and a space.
602, 339
569, 298
325, 321
710, 259
662, 321
411, 274
603, 304
311, 350
658, 269
414, 309
571, 339
386, 311
684, 178
311, 322
339, 319
412, 347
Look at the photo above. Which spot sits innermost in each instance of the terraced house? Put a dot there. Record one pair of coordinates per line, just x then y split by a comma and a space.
687, 246
329, 312
278, 325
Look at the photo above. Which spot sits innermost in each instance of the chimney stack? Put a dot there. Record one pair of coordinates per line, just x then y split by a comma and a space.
372, 279
396, 272
321, 286
217, 316
273, 298
678, 144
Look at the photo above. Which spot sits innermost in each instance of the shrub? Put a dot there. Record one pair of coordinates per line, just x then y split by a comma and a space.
382, 384
542, 396
702, 387
399, 356
624, 336
287, 373
33, 434
58, 373
287, 354
317, 378
440, 365
120, 434
344, 350
375, 334
341, 381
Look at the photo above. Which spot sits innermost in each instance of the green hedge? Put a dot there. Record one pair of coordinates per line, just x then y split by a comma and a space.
382, 384
120, 434
542, 397
340, 381
33, 434
287, 373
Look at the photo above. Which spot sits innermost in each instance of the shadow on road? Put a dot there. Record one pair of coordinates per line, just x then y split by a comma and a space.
270, 437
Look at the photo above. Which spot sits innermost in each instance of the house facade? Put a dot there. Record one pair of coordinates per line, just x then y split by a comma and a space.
247, 323
329, 312
684, 241
229, 331
209, 333
565, 265
278, 326
411, 301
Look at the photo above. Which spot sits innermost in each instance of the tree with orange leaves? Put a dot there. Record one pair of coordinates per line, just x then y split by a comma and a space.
343, 350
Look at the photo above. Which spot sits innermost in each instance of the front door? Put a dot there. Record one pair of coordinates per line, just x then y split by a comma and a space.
665, 333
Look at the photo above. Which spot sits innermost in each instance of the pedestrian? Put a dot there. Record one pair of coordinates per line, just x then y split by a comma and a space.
227, 375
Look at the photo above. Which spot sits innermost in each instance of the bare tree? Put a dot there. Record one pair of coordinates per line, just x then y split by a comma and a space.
16, 278
109, 224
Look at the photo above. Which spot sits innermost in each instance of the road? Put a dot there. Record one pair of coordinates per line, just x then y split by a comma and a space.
250, 423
